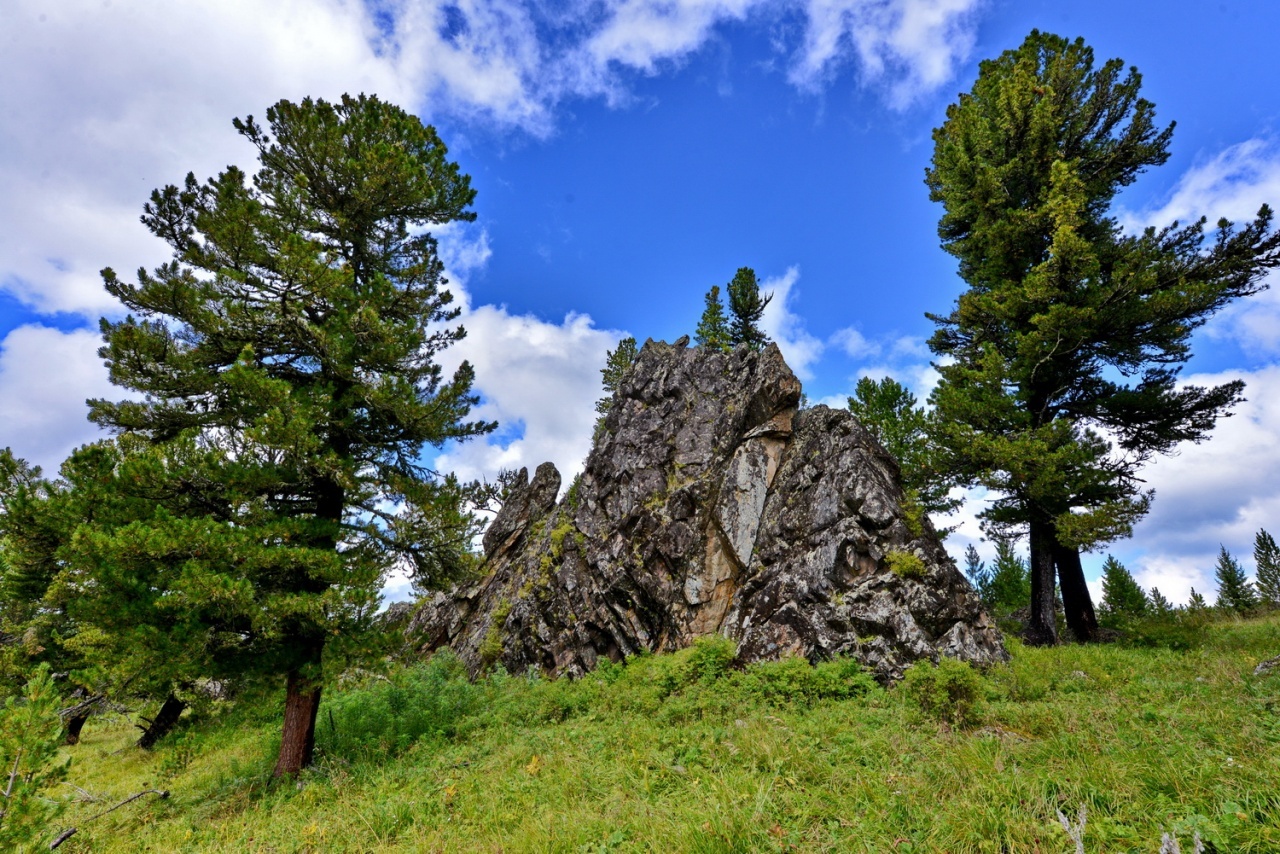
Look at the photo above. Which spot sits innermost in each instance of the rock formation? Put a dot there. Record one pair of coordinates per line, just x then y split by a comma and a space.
708, 504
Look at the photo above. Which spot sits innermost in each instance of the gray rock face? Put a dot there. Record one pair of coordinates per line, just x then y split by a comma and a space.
709, 504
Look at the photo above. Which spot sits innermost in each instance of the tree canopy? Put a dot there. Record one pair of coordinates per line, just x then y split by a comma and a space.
746, 306
1060, 375
285, 364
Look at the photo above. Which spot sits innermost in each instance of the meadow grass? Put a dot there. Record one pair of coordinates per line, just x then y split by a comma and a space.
680, 753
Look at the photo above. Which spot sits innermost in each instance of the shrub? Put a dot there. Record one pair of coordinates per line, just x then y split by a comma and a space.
30, 732
385, 716
949, 691
905, 564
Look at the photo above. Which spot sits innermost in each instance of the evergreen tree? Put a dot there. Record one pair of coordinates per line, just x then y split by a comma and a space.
285, 360
1266, 556
1062, 357
1235, 591
713, 326
976, 571
747, 307
1195, 602
616, 364
1160, 606
1122, 598
888, 409
1010, 583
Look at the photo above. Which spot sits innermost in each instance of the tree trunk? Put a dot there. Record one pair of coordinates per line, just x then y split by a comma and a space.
1041, 629
298, 741
163, 723
75, 723
1077, 604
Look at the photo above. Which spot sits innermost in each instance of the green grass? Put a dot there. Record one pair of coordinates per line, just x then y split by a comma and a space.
680, 753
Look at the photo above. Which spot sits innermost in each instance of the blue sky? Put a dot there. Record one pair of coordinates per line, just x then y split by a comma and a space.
629, 155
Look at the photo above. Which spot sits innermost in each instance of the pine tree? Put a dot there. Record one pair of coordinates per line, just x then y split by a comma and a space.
285, 360
1010, 583
747, 307
976, 571
889, 411
1122, 597
1195, 602
616, 364
1235, 591
1266, 556
1160, 605
1062, 357
713, 326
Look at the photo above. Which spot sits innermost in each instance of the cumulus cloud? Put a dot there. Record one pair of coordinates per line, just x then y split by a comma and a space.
913, 44
539, 381
45, 378
780, 323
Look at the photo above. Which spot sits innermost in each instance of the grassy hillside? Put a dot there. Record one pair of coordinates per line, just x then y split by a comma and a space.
678, 753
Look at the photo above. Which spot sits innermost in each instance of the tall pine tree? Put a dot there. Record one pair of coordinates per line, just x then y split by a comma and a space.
1122, 597
286, 356
1061, 360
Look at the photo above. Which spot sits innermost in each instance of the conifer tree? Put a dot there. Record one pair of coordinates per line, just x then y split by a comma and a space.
976, 571
1235, 591
1010, 584
1122, 597
1062, 356
1160, 605
888, 409
616, 364
713, 326
1266, 556
285, 359
1195, 602
747, 308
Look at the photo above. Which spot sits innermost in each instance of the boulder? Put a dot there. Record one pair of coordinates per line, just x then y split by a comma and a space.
711, 504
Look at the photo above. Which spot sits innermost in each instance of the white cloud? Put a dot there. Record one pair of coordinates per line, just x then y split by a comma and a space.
915, 45
798, 347
45, 378
854, 344
541, 375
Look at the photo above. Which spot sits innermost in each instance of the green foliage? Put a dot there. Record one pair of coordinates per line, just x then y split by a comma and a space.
285, 367
1266, 556
384, 716
905, 564
950, 691
1122, 597
492, 647
1235, 591
30, 733
1010, 585
888, 409
976, 571
1061, 372
616, 364
1160, 605
1154, 741
747, 308
713, 326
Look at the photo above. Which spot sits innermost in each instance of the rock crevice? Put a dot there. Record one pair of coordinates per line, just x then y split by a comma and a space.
711, 504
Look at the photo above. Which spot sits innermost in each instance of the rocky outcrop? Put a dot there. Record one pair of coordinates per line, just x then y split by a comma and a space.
711, 504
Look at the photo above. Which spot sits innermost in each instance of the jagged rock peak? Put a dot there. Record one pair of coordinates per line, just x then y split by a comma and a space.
709, 504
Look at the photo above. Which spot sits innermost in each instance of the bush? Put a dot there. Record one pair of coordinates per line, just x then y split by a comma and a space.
949, 691
386, 715
794, 679
30, 732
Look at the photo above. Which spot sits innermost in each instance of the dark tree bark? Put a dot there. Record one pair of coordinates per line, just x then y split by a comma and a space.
298, 740
1041, 629
75, 723
1077, 604
163, 723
